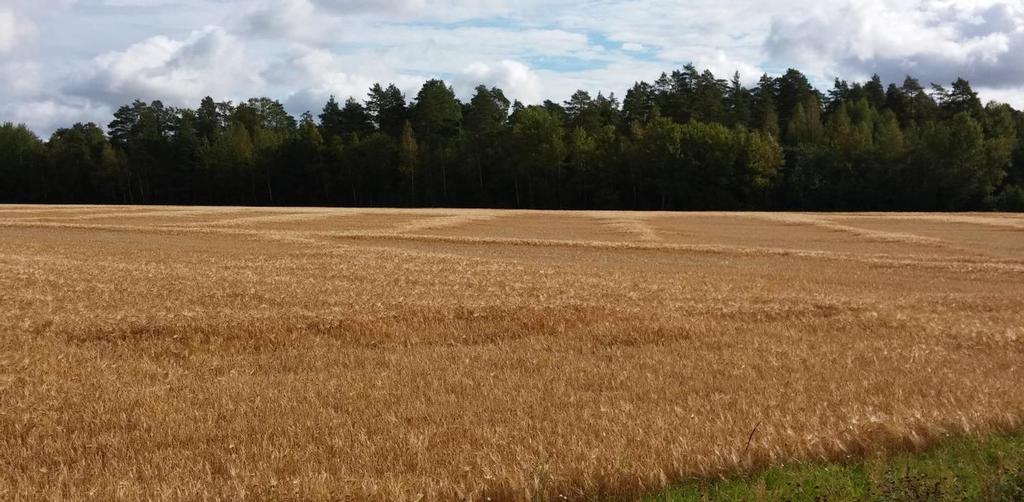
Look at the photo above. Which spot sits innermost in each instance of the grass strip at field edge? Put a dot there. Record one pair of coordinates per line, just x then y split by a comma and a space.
989, 468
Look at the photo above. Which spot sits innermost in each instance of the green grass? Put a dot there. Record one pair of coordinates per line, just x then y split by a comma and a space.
985, 469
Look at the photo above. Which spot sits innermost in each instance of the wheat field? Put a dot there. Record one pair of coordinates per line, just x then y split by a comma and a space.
165, 353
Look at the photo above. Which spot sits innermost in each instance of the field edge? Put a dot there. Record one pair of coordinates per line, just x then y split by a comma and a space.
961, 467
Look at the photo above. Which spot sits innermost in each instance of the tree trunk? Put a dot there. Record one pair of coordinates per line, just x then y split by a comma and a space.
480, 175
636, 201
352, 182
583, 189
444, 182
270, 188
558, 185
518, 204
252, 186
412, 185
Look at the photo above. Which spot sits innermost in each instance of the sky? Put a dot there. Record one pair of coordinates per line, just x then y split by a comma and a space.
67, 61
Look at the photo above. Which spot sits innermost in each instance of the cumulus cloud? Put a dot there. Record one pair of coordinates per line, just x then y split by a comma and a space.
436, 9
283, 14
357, 6
48, 115
717, 61
317, 20
313, 75
13, 28
515, 78
88, 56
20, 78
293, 18
935, 40
207, 62
1014, 96
7, 25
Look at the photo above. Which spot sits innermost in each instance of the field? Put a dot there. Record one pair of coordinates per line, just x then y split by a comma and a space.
161, 353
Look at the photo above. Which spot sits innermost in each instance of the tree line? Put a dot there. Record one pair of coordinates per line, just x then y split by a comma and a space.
687, 141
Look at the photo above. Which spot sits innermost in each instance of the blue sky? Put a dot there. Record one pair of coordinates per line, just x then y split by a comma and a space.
63, 61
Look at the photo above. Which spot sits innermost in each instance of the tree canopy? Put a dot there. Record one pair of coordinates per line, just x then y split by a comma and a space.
688, 140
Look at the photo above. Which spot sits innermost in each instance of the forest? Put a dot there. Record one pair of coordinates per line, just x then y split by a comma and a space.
687, 141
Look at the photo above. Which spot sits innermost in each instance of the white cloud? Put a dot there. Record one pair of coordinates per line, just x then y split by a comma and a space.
447, 10
1013, 96
7, 25
515, 78
724, 67
936, 40
48, 115
207, 62
88, 55
313, 20
313, 75
293, 18
20, 78
316, 74
13, 28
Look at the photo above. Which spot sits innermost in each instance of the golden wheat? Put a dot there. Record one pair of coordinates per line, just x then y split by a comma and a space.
224, 353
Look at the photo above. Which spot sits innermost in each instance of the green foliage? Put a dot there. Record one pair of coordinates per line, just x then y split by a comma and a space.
805, 124
640, 101
264, 113
387, 108
698, 165
336, 122
540, 150
437, 115
763, 160
981, 469
959, 165
961, 98
487, 112
1010, 199
407, 157
22, 164
689, 140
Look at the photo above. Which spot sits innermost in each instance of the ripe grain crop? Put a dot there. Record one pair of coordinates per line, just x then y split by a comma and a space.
319, 354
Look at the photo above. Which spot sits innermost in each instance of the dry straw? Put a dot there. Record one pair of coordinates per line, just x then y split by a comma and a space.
204, 353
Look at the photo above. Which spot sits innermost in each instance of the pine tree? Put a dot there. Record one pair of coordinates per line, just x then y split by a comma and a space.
408, 156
